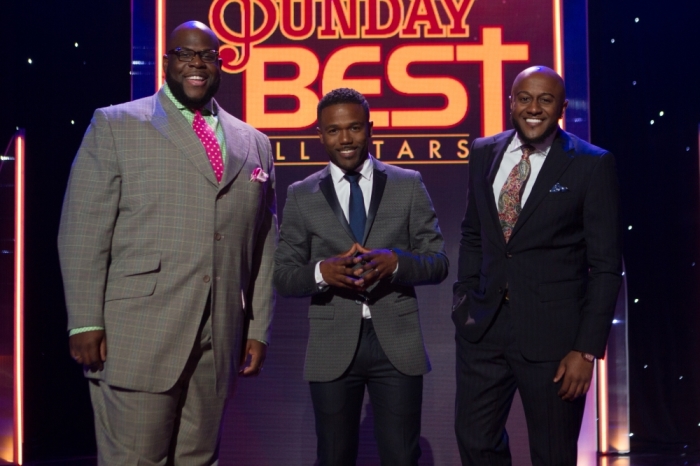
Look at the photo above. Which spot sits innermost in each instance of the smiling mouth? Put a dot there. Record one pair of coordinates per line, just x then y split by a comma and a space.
196, 80
533, 121
347, 151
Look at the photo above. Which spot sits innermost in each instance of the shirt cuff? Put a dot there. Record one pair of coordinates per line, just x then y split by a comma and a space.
318, 276
75, 331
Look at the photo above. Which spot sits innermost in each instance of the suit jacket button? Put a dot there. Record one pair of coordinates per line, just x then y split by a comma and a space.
206, 279
509, 255
218, 236
357, 301
500, 290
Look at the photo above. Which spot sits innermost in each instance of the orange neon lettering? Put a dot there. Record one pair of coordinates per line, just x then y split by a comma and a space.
278, 151
258, 87
236, 52
377, 148
463, 147
302, 151
337, 65
453, 91
458, 10
422, 12
492, 52
434, 149
288, 19
405, 150
373, 28
341, 18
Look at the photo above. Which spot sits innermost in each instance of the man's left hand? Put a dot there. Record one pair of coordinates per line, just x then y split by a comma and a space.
575, 373
257, 350
377, 264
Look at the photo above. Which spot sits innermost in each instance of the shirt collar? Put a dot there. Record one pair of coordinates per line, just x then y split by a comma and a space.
208, 109
366, 170
541, 148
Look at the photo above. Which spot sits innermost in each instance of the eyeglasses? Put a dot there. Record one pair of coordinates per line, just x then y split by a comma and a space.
187, 55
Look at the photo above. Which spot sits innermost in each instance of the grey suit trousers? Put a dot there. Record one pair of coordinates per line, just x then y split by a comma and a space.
177, 427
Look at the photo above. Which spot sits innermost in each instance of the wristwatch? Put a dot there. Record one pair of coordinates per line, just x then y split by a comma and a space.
588, 357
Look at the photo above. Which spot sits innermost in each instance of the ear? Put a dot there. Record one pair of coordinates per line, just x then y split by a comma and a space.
165, 64
320, 135
563, 107
370, 125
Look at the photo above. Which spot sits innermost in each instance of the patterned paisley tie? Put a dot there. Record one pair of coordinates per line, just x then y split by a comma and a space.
509, 200
210, 143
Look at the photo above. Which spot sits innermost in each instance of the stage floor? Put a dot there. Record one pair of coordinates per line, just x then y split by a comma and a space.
640, 459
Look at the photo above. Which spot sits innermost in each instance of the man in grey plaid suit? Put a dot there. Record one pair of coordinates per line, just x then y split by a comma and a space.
357, 237
167, 265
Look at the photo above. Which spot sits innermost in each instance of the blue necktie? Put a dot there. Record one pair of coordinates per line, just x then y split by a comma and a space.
356, 212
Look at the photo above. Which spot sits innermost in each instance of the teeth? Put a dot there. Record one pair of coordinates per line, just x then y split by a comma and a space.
196, 78
533, 120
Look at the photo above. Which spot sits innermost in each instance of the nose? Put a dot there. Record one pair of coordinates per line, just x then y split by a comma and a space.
197, 61
345, 137
534, 107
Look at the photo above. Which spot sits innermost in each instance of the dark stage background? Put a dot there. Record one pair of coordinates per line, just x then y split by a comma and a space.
637, 70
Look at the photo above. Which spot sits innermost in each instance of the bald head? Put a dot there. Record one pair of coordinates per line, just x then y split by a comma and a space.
180, 32
546, 73
537, 102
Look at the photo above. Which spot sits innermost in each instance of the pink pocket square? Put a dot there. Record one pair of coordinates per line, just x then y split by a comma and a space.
259, 175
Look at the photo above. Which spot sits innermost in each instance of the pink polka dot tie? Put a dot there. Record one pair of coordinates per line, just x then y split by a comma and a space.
210, 143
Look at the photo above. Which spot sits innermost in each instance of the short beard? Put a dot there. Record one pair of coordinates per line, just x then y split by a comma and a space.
179, 92
547, 133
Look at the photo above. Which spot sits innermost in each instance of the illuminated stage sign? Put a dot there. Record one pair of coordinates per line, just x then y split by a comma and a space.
435, 72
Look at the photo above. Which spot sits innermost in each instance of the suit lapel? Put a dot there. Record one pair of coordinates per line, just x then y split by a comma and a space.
237, 146
378, 184
493, 163
555, 163
328, 190
173, 126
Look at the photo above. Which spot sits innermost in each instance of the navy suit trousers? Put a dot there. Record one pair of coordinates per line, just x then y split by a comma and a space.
395, 405
488, 373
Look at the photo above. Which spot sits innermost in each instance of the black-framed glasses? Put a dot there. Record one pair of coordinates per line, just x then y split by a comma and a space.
187, 55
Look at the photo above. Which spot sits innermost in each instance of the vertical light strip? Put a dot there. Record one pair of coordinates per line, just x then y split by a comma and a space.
160, 41
19, 299
603, 442
558, 46
558, 39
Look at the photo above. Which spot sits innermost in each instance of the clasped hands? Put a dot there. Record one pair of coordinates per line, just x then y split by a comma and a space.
358, 268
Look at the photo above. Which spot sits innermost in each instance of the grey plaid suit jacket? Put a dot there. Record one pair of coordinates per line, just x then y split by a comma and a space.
314, 228
147, 235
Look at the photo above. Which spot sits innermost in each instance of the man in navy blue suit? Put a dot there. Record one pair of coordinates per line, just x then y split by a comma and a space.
539, 273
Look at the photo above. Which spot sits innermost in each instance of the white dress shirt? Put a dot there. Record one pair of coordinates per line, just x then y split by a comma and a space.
342, 191
512, 157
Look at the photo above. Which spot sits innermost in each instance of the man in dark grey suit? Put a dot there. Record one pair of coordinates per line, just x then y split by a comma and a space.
357, 237
166, 244
539, 273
